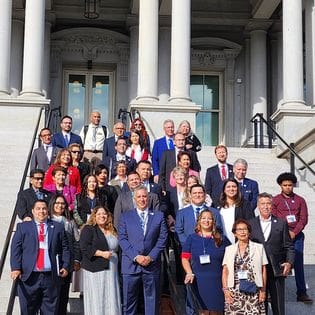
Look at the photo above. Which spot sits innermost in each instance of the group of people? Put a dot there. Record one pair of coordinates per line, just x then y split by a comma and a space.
100, 211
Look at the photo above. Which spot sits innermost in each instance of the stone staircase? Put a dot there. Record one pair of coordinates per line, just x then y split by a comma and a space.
263, 167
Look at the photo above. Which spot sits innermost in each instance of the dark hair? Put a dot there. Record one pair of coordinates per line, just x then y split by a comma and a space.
57, 160
39, 200
36, 171
118, 163
58, 169
64, 117
197, 185
85, 185
141, 142
121, 138
145, 162
43, 129
215, 233
133, 173
286, 176
143, 132
181, 154
239, 198
239, 221
99, 168
51, 205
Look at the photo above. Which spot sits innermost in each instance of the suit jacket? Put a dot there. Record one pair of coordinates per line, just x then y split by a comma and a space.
278, 245
26, 199
109, 148
172, 202
249, 190
186, 222
40, 159
59, 141
91, 240
159, 146
167, 163
133, 242
124, 203
111, 162
24, 248
214, 182
244, 211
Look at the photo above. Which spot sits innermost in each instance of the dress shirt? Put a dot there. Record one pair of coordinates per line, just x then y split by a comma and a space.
120, 157
145, 219
228, 219
47, 263
265, 226
146, 184
48, 149
180, 196
168, 142
226, 170
196, 212
94, 138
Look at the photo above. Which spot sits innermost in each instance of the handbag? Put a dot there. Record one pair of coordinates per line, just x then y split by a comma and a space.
248, 287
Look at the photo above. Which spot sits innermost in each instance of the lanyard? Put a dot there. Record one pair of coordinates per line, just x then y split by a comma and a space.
239, 254
286, 203
203, 244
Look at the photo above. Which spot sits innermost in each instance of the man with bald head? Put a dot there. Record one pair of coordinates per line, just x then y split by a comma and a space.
109, 150
93, 137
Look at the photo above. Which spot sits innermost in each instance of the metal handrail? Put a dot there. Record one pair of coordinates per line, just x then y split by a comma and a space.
290, 147
13, 218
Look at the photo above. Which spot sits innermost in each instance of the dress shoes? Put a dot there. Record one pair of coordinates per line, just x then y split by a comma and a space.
304, 298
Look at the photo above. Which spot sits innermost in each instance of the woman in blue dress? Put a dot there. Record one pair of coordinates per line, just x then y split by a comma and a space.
202, 257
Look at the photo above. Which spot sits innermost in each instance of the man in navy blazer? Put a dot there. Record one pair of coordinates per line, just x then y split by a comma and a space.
142, 235
186, 218
248, 187
109, 143
39, 283
46, 154
216, 174
160, 145
65, 137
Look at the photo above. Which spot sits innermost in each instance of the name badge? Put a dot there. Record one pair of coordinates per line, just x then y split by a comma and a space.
204, 259
43, 245
242, 274
291, 218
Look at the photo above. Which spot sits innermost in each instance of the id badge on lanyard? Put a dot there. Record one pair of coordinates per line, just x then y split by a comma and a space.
204, 259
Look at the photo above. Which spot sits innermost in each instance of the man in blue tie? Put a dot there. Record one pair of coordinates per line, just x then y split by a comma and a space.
142, 237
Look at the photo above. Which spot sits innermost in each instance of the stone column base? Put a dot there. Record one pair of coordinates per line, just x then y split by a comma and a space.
154, 113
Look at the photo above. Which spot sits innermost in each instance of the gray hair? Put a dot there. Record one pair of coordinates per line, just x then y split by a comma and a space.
241, 161
264, 195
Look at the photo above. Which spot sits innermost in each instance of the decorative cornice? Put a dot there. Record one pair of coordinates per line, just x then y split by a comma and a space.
258, 24
210, 57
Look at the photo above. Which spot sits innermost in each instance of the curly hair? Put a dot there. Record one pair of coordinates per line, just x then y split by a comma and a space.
286, 176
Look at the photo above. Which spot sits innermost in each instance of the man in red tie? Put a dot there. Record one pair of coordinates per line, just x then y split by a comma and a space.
216, 174
40, 257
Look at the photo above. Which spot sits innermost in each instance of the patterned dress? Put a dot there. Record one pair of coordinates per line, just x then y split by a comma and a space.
244, 303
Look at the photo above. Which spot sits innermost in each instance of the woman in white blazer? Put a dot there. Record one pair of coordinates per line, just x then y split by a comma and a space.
244, 274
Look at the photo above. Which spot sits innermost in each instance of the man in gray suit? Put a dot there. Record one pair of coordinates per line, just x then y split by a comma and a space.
125, 200
45, 155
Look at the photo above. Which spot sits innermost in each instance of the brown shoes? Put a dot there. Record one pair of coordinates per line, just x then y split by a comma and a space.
304, 298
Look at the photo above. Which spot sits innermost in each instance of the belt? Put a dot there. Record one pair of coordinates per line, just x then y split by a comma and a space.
93, 151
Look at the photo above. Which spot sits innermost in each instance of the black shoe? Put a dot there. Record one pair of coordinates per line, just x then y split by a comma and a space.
304, 298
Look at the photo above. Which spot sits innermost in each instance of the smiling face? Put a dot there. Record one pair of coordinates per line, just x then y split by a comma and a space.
66, 124
197, 196
45, 136
138, 125
191, 181
59, 206
37, 180
91, 184
241, 232
121, 169
144, 170
134, 138
179, 141
264, 205
101, 217
65, 158
206, 221
59, 178
239, 171
133, 181
95, 118
169, 129
221, 154
231, 190
184, 128
141, 199
121, 146
119, 129
179, 178
184, 161
40, 211
102, 177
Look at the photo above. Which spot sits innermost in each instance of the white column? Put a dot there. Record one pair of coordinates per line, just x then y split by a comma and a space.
5, 46
164, 63
148, 50
292, 52
258, 72
133, 62
33, 48
46, 69
310, 51
280, 67
180, 55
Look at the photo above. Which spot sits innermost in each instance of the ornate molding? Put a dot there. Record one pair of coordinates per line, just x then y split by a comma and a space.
211, 57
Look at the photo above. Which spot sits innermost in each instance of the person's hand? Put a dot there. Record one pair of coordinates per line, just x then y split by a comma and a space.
170, 220
15, 274
262, 296
292, 235
107, 254
228, 296
76, 266
188, 146
156, 179
286, 268
27, 219
141, 260
189, 278
63, 272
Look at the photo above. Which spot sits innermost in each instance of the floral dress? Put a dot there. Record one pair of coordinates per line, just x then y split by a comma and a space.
244, 303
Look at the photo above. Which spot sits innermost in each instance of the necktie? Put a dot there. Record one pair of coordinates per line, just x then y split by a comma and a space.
142, 217
223, 172
66, 140
46, 148
170, 144
41, 251
198, 211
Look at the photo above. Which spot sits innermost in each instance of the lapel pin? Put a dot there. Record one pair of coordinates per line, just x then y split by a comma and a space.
275, 221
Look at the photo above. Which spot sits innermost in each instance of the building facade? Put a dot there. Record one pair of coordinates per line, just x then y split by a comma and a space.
215, 63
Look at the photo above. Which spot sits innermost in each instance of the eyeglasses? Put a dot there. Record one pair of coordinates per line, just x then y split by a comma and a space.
138, 125
241, 230
38, 178
75, 152
60, 203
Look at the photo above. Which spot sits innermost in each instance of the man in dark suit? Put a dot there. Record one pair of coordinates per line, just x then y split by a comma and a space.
169, 160
109, 143
273, 233
40, 257
27, 197
125, 200
142, 237
248, 187
65, 137
45, 155
216, 174
160, 145
111, 161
